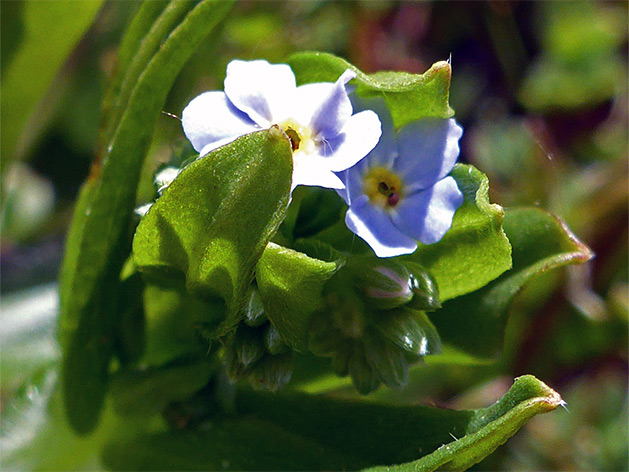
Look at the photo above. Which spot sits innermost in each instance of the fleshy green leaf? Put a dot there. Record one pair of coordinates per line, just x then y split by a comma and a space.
475, 322
408, 96
213, 222
488, 428
283, 431
290, 285
98, 239
475, 250
51, 31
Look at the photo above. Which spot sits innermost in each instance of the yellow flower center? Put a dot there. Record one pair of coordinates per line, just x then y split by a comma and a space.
301, 137
383, 187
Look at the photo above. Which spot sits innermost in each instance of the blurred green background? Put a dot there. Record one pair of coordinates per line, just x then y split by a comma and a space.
541, 91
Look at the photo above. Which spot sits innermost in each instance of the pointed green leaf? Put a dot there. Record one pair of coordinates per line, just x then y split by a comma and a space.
290, 285
149, 29
487, 428
371, 434
475, 323
475, 250
97, 242
213, 222
408, 96
51, 31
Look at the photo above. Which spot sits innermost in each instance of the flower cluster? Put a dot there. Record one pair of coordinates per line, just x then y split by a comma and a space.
325, 135
395, 183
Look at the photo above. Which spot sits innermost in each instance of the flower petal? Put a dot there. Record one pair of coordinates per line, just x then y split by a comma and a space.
265, 92
313, 171
210, 119
325, 107
359, 136
428, 149
374, 225
427, 215
385, 152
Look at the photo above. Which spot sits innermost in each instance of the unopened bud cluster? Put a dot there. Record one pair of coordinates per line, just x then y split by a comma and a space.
255, 350
374, 324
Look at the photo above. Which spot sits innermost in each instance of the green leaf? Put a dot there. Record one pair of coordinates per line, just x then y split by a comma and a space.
51, 31
213, 222
293, 431
488, 428
408, 96
98, 239
290, 285
229, 444
475, 323
142, 39
475, 250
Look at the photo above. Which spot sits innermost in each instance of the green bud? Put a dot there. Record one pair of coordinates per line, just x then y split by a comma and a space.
365, 379
273, 341
248, 345
273, 372
387, 360
254, 310
402, 328
425, 291
340, 360
322, 337
385, 283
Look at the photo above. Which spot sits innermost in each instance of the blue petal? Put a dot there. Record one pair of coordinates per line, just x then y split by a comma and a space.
427, 215
357, 138
210, 120
374, 225
428, 150
329, 104
265, 92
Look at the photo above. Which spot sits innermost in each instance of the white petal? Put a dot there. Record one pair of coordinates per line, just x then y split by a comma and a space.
312, 171
143, 210
165, 177
374, 225
427, 215
428, 149
324, 107
265, 92
358, 137
210, 118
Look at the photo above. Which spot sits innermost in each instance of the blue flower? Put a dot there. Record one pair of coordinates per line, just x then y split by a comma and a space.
401, 192
318, 118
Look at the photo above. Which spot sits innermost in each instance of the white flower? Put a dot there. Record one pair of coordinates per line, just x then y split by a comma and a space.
317, 118
401, 192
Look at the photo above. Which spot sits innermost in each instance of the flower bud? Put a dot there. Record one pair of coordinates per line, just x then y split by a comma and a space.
273, 372
273, 341
248, 345
387, 360
387, 284
425, 291
403, 330
340, 360
254, 310
363, 376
